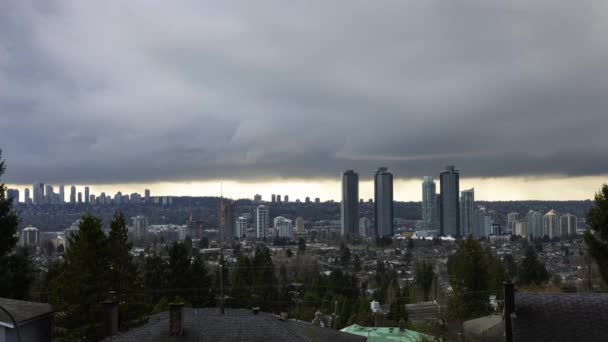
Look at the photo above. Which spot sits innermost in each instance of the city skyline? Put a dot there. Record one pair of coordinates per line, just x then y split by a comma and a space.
487, 189
304, 170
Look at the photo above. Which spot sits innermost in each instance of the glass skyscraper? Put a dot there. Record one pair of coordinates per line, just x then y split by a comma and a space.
535, 224
429, 198
350, 203
450, 207
383, 202
467, 212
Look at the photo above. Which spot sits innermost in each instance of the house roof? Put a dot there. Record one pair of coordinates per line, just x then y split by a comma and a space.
235, 325
22, 311
488, 328
560, 317
380, 334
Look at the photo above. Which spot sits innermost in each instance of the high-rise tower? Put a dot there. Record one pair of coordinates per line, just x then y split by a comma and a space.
262, 221
72, 195
383, 202
535, 224
429, 197
227, 220
450, 207
350, 203
467, 212
61, 193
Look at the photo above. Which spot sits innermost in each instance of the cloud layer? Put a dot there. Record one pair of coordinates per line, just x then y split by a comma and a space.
145, 91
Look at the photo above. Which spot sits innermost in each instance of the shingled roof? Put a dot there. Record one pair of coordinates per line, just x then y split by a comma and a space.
22, 311
235, 325
560, 317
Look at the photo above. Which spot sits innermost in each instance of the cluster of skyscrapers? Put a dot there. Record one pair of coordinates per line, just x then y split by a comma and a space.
454, 212
264, 228
45, 194
537, 225
383, 204
281, 227
275, 198
450, 212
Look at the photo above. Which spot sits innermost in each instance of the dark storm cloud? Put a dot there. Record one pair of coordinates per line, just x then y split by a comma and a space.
148, 91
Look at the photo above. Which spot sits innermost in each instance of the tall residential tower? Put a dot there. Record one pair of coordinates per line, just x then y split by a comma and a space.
262, 221
429, 198
450, 207
383, 202
467, 212
350, 203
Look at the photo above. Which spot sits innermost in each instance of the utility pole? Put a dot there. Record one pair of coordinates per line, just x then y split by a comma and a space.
221, 249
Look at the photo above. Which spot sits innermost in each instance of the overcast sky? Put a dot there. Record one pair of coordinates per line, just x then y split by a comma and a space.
113, 92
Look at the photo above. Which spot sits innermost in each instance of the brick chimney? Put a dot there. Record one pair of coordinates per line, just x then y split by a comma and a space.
175, 319
401, 325
110, 317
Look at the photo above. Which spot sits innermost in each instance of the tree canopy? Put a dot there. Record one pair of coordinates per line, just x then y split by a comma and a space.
531, 270
597, 237
18, 272
470, 280
424, 278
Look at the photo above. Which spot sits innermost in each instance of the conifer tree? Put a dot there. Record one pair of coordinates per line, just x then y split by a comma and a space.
122, 272
424, 278
180, 281
82, 284
597, 237
531, 270
243, 279
201, 282
16, 269
470, 280
155, 274
265, 283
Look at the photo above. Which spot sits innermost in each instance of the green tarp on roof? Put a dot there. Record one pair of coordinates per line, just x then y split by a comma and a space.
386, 334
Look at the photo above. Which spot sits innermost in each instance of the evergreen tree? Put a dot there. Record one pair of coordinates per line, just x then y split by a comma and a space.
424, 278
123, 275
82, 285
597, 237
470, 280
8, 218
16, 270
265, 283
364, 314
217, 288
188, 244
357, 263
180, 282
498, 275
19, 274
155, 274
301, 246
243, 280
122, 271
344, 254
201, 282
531, 270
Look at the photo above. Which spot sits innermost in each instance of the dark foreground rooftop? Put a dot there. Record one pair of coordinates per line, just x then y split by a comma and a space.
560, 317
22, 311
235, 325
